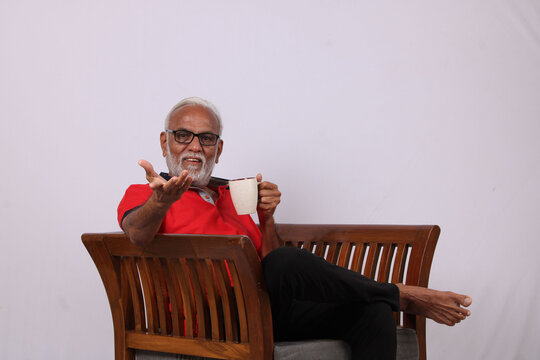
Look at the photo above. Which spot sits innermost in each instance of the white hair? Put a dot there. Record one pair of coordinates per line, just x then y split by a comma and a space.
200, 102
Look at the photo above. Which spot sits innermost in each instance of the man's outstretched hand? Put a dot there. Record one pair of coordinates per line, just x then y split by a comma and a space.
166, 192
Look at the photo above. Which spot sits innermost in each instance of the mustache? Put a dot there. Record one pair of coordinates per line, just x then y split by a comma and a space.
194, 155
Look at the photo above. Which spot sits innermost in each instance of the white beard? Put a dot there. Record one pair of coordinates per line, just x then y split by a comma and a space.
201, 176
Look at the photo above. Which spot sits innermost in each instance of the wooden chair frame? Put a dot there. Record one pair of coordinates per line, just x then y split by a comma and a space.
204, 295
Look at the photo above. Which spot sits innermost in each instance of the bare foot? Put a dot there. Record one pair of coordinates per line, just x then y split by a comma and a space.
444, 307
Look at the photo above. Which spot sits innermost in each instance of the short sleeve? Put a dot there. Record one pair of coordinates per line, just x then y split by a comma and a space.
135, 196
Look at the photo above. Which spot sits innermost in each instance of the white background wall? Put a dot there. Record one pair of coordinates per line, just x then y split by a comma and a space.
414, 112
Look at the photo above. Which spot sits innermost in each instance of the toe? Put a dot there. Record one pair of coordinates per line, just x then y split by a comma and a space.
464, 300
464, 312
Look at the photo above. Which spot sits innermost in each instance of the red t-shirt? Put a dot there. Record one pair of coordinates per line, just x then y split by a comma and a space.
193, 215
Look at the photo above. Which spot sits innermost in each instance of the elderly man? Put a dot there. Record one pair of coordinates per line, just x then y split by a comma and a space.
310, 298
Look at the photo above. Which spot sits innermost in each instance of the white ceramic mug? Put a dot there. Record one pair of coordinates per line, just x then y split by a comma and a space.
245, 194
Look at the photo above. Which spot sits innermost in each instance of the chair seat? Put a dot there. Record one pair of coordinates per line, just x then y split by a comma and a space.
407, 349
407, 344
312, 349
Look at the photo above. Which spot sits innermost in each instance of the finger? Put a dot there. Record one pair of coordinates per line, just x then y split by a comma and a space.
184, 181
178, 184
269, 192
157, 183
180, 179
172, 185
183, 175
148, 168
267, 208
259, 177
267, 185
187, 183
269, 199
268, 205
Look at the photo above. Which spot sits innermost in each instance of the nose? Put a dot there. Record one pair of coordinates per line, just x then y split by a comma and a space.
195, 145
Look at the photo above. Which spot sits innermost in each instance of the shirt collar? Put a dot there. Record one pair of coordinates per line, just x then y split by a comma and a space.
215, 182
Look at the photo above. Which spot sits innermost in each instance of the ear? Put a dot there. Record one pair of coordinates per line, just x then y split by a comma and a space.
219, 150
163, 141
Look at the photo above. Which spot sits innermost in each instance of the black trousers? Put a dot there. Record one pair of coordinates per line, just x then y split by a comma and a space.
313, 299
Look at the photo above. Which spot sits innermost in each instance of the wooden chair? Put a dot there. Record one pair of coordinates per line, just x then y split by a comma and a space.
204, 295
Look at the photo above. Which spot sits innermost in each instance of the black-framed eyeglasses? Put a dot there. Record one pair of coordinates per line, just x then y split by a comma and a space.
186, 137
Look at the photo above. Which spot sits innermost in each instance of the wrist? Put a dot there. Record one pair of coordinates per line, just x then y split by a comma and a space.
159, 204
267, 222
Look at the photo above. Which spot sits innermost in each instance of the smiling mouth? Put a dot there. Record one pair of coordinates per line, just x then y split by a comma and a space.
192, 162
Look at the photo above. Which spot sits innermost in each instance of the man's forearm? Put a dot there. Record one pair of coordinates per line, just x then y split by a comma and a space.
142, 224
270, 239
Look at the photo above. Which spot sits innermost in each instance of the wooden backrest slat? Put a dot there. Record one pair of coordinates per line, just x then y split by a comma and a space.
320, 249
386, 262
125, 296
201, 304
190, 313
229, 305
333, 252
214, 301
399, 263
162, 297
175, 297
413, 267
345, 255
149, 295
134, 283
372, 260
358, 257
239, 295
